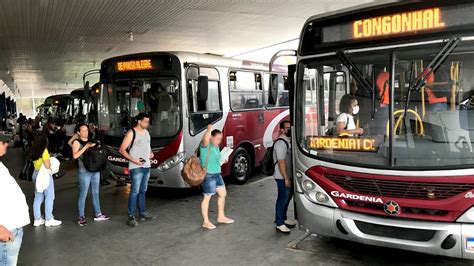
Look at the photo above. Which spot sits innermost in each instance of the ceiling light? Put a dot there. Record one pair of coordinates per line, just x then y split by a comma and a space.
130, 36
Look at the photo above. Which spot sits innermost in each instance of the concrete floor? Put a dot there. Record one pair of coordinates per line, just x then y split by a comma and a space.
176, 238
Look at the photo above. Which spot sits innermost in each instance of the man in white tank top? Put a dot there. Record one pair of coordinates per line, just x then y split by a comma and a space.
136, 149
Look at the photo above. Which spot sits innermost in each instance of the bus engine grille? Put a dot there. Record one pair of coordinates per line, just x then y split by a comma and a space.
400, 189
419, 235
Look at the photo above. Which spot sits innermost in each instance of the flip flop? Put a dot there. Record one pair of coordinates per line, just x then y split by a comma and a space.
209, 226
230, 221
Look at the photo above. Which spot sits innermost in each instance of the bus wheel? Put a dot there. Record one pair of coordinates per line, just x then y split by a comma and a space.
241, 166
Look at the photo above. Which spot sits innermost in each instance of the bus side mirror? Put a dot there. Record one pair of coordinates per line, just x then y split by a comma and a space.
291, 90
273, 90
203, 87
86, 91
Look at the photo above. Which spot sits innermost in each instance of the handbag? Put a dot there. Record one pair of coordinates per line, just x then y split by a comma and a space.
193, 173
26, 173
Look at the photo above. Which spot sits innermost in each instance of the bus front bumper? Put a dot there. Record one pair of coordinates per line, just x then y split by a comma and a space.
446, 239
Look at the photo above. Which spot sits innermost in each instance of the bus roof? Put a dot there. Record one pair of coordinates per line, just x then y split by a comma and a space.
58, 97
207, 60
386, 22
77, 93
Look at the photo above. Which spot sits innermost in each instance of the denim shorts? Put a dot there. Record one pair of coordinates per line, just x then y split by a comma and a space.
210, 183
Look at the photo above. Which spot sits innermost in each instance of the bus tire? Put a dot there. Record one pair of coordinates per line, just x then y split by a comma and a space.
241, 166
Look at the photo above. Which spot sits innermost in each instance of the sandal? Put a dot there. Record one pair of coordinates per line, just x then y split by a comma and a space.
228, 221
209, 226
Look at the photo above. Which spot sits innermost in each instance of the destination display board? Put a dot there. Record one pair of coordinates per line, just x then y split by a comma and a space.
360, 144
416, 20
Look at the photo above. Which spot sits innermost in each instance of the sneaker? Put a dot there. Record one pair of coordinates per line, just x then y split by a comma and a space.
101, 217
81, 221
52, 222
146, 216
132, 221
283, 229
290, 223
39, 222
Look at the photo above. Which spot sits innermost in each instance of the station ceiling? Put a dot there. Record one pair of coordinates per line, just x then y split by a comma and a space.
46, 45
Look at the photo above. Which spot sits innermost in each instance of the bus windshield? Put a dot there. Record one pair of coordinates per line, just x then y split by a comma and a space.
345, 102
124, 98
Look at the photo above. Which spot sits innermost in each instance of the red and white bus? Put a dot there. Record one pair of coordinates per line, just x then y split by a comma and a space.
408, 181
183, 93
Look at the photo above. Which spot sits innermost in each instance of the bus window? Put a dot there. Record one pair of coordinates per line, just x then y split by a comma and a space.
310, 85
432, 123
160, 96
246, 90
436, 129
278, 95
335, 88
162, 103
203, 111
331, 89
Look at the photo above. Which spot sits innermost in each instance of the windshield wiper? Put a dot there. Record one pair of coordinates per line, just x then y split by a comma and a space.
358, 76
415, 85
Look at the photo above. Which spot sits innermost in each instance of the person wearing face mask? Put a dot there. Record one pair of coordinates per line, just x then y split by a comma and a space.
345, 123
283, 177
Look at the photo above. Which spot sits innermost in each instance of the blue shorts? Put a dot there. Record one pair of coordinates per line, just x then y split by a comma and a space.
210, 183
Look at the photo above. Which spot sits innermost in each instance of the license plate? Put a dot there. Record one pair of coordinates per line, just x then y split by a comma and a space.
470, 243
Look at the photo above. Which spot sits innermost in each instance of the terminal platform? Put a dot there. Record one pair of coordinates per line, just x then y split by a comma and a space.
176, 236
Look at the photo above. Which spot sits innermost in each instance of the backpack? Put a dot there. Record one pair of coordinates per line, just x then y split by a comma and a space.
333, 130
95, 158
26, 173
133, 139
268, 164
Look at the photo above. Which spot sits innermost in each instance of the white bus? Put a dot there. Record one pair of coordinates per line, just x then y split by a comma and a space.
184, 92
407, 181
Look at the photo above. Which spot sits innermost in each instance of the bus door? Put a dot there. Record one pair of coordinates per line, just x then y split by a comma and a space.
334, 87
203, 99
278, 100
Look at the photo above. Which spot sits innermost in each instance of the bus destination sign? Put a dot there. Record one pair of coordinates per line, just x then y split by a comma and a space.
134, 65
443, 20
342, 144
420, 20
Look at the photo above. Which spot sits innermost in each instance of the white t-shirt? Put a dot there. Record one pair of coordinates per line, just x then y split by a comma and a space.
13, 207
10, 124
348, 120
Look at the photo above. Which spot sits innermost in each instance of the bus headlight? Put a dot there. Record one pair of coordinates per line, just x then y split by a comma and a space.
308, 185
467, 217
321, 197
313, 192
171, 162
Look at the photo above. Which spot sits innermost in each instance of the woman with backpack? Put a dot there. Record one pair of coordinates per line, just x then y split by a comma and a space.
213, 183
85, 177
39, 154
